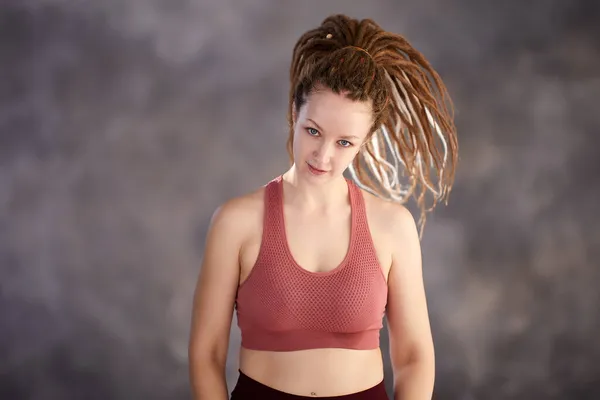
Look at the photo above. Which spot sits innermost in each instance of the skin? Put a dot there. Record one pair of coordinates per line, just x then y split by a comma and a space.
328, 133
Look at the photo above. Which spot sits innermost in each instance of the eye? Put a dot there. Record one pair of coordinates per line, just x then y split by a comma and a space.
312, 131
345, 143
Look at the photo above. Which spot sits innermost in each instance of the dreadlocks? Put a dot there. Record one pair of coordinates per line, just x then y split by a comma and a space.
413, 133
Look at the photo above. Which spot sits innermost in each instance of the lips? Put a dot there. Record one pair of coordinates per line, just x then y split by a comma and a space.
315, 170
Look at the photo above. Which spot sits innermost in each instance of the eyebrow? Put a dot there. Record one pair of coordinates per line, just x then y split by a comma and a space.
321, 129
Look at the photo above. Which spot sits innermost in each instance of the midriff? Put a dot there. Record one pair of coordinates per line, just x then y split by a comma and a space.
314, 372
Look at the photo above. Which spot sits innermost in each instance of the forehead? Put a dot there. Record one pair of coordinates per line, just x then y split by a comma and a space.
337, 114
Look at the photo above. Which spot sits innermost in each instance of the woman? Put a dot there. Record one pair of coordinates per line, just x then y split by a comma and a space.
313, 260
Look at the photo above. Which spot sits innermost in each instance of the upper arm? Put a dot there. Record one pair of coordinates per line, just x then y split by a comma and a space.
407, 314
216, 287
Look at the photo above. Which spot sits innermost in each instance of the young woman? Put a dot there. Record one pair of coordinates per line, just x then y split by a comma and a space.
312, 261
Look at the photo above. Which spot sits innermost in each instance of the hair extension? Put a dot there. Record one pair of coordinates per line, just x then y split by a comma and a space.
413, 133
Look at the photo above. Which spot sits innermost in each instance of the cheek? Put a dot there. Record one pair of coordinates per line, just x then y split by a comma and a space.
301, 143
350, 156
345, 157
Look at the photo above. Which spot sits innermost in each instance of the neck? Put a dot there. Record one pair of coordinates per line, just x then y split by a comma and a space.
312, 195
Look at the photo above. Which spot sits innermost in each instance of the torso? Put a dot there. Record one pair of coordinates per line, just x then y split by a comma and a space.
315, 372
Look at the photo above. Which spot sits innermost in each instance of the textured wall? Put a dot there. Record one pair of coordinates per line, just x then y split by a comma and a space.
123, 124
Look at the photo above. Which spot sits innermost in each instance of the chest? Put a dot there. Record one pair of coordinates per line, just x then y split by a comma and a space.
318, 242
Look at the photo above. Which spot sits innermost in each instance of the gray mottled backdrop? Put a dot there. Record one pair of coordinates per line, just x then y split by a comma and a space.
123, 124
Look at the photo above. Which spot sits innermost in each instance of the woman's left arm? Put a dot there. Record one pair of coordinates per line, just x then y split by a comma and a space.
411, 343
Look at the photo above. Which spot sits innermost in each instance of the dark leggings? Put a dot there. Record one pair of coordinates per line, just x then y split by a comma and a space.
247, 388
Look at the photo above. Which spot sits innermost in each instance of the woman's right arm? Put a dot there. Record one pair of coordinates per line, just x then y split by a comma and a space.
214, 299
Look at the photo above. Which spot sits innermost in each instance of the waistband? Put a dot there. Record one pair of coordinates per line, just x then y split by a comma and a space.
247, 388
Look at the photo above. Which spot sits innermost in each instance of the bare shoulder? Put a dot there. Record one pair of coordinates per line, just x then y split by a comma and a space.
389, 217
240, 213
392, 228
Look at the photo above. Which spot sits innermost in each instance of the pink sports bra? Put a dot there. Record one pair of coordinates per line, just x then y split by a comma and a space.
283, 307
